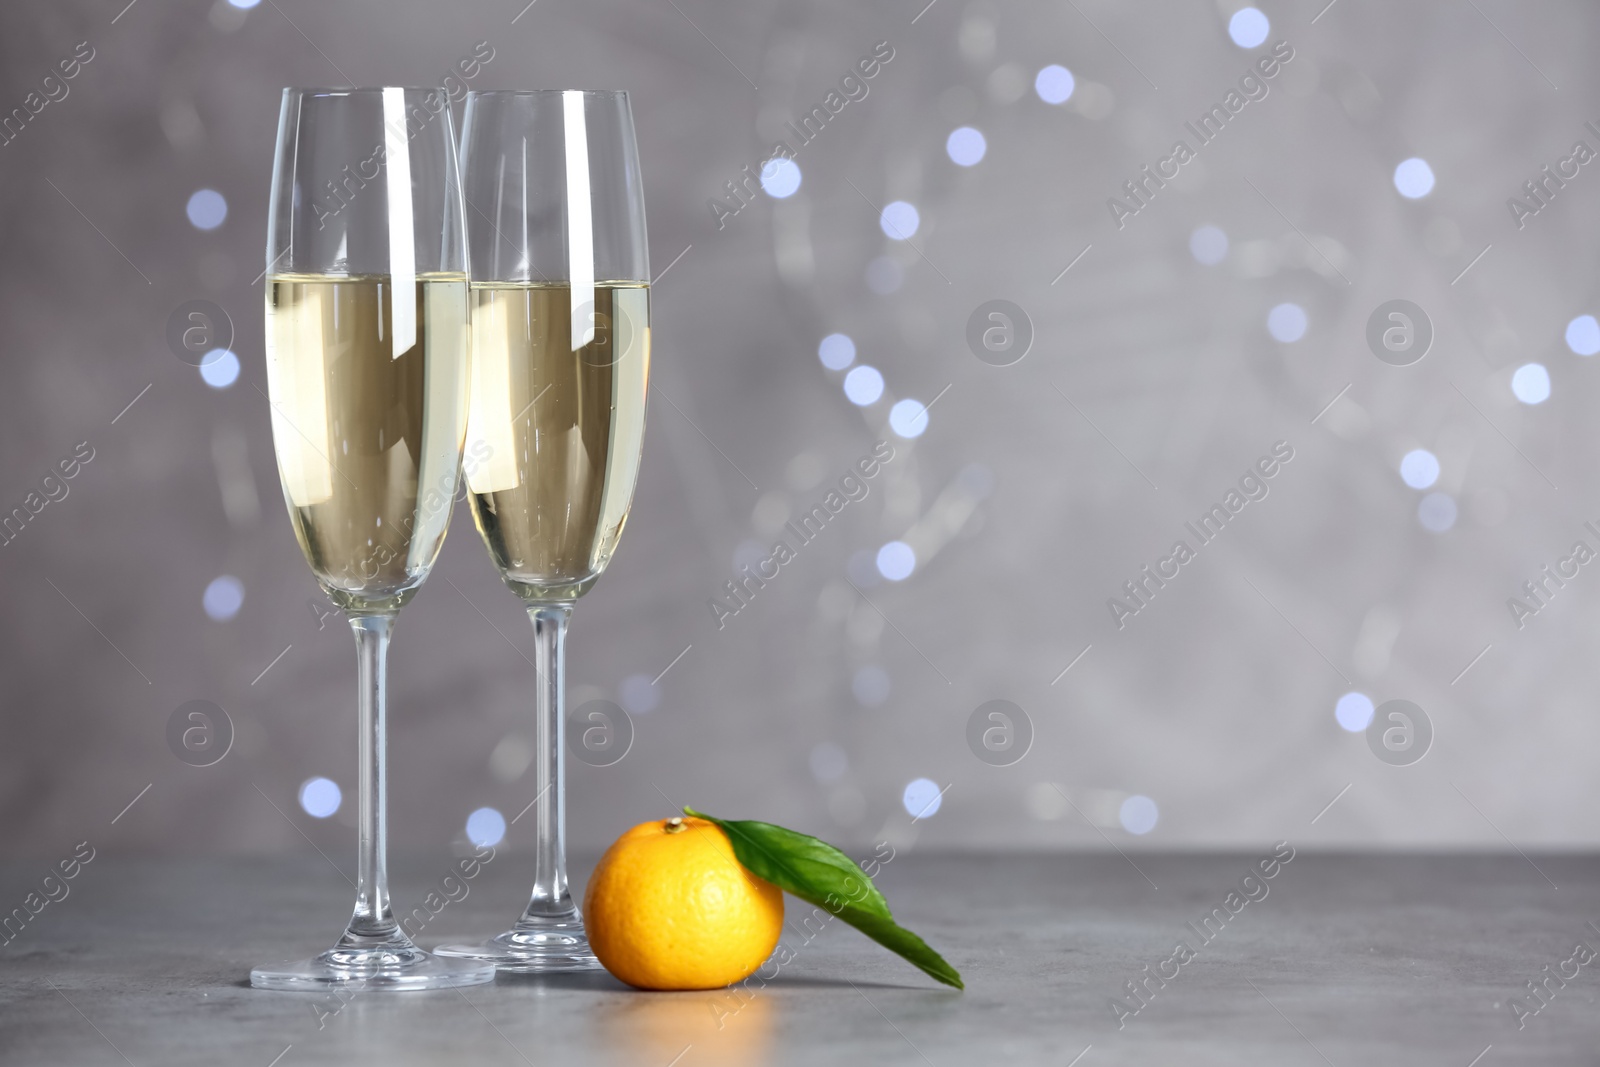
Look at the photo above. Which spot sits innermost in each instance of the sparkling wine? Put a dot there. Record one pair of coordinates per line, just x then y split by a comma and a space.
368, 386
555, 428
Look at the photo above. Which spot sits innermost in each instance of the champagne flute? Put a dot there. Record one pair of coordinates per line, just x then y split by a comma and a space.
367, 369
560, 366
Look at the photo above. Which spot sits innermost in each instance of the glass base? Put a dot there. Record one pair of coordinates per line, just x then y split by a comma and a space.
387, 967
534, 947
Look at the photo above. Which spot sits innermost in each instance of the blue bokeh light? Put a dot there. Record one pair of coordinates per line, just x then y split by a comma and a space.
900, 220
922, 798
1414, 178
1437, 512
896, 561
966, 146
1208, 245
780, 177
908, 418
863, 385
1530, 383
837, 351
486, 827
207, 209
1138, 814
1419, 468
320, 797
223, 598
220, 368
1054, 84
1249, 27
1354, 711
1287, 323
1583, 335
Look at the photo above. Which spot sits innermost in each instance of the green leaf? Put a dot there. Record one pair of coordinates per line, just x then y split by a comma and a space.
820, 874
897, 939
801, 864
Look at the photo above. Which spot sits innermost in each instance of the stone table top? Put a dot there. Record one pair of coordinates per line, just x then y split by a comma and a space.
1340, 958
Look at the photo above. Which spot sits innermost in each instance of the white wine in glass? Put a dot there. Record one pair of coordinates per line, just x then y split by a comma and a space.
552, 524
367, 439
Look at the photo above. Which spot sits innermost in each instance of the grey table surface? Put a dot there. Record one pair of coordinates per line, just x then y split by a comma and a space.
1347, 959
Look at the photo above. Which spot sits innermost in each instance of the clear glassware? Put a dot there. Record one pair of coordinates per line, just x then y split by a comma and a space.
366, 336
560, 370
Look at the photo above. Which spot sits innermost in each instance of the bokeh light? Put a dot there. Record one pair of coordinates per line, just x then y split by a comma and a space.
1138, 814
896, 561
1354, 711
837, 351
1437, 512
900, 220
1419, 468
1287, 322
863, 385
908, 418
966, 146
638, 694
486, 827
1583, 335
1248, 27
320, 797
220, 368
922, 798
1054, 84
1208, 245
780, 177
1530, 383
223, 598
1414, 178
207, 209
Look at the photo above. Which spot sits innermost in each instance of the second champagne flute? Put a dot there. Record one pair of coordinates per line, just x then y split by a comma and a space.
560, 365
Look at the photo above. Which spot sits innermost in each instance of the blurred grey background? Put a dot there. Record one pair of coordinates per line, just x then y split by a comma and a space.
1153, 383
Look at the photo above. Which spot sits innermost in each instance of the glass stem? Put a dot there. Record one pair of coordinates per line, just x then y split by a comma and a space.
373, 921
550, 900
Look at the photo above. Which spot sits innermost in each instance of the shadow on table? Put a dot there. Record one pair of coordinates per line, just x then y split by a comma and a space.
593, 981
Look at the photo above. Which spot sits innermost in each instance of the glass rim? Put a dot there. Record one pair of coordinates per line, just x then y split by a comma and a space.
546, 92
323, 90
